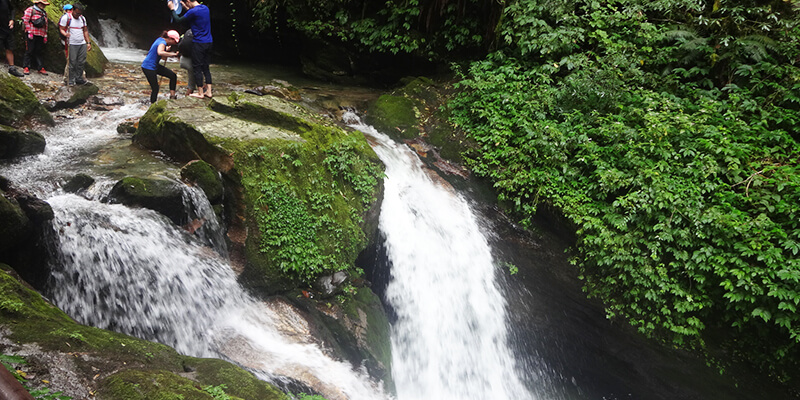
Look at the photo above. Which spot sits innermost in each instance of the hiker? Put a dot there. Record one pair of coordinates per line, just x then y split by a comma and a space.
199, 19
35, 21
151, 66
74, 28
6, 34
64, 21
185, 49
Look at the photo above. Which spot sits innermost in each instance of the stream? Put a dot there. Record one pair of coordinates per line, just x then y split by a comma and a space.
463, 326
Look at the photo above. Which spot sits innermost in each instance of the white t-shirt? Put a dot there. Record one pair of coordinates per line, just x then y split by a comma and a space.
75, 28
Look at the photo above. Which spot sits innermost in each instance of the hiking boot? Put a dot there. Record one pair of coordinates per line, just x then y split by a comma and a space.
42, 71
26, 71
15, 72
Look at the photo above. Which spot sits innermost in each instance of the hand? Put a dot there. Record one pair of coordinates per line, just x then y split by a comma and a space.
88, 46
11, 24
170, 5
45, 40
30, 36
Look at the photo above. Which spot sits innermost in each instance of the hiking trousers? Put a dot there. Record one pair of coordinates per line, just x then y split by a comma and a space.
77, 60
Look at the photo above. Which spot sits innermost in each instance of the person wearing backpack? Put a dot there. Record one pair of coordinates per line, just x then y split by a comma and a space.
6, 34
185, 50
74, 28
35, 21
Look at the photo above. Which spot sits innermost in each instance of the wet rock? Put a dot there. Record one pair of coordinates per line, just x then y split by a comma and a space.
329, 285
284, 92
202, 174
396, 116
78, 183
127, 127
14, 224
161, 195
15, 143
24, 223
107, 101
18, 103
71, 96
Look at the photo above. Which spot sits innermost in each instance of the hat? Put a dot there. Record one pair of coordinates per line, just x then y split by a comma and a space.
174, 35
45, 2
67, 7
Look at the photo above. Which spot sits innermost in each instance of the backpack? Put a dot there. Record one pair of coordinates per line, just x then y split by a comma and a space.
38, 20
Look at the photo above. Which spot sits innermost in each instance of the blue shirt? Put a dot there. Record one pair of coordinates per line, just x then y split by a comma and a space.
199, 19
152, 58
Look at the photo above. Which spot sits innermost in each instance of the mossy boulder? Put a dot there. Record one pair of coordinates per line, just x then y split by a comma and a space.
203, 175
395, 115
16, 143
305, 183
162, 195
18, 103
15, 225
71, 96
77, 183
24, 222
86, 362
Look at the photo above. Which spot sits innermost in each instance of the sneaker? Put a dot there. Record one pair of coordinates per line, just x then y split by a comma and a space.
82, 82
26, 71
42, 71
15, 72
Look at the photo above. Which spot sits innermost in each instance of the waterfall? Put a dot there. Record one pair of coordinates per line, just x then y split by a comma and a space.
116, 44
450, 338
133, 271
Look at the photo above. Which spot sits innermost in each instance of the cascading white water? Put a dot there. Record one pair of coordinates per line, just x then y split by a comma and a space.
116, 44
133, 271
449, 340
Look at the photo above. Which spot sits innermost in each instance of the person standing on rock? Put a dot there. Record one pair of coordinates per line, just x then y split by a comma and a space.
185, 48
199, 18
35, 21
73, 27
6, 34
152, 68
63, 21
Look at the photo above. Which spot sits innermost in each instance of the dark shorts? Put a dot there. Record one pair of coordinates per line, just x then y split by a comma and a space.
6, 39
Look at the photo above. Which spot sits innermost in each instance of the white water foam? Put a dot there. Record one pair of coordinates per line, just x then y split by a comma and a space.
450, 338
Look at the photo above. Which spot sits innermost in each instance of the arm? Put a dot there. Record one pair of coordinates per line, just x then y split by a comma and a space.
11, 15
63, 28
163, 53
86, 37
26, 19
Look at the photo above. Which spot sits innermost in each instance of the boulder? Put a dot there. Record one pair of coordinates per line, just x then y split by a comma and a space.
396, 116
161, 195
202, 174
77, 183
15, 143
71, 96
19, 104
24, 223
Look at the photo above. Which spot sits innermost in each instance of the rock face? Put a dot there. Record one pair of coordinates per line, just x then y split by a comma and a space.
202, 174
71, 96
18, 103
24, 221
15, 143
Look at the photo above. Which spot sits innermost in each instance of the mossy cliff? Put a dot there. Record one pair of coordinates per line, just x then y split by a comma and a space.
303, 183
86, 362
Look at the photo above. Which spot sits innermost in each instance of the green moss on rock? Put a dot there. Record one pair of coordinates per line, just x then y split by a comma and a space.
161, 195
18, 103
239, 382
395, 115
206, 177
152, 385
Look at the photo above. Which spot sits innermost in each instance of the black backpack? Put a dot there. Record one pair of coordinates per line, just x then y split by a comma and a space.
38, 20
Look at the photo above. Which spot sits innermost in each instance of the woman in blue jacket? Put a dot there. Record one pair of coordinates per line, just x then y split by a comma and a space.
152, 68
199, 18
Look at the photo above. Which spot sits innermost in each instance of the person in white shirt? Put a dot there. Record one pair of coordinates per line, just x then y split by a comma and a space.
77, 33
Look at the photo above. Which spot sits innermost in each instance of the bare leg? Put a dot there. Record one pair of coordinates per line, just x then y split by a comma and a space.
208, 90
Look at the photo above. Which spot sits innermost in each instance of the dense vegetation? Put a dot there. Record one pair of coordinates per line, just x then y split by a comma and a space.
665, 131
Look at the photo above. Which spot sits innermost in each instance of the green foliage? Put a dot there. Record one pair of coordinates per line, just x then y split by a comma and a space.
217, 392
663, 131
430, 28
303, 396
